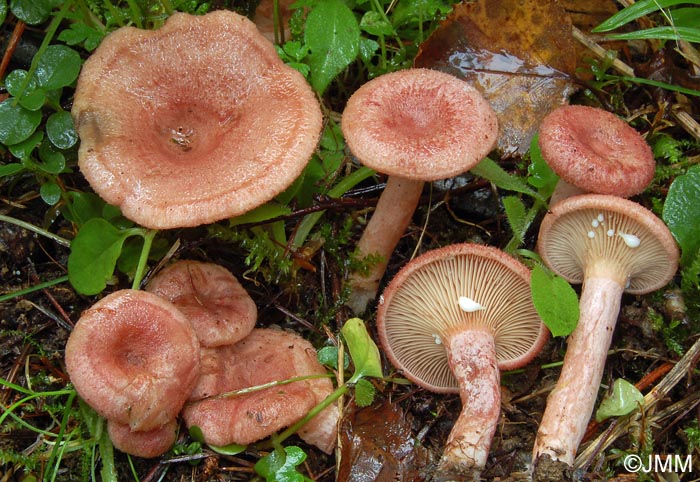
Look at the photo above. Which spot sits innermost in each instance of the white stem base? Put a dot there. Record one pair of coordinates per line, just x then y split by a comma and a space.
472, 357
570, 405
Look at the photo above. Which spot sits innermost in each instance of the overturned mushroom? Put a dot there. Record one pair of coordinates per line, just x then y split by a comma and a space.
593, 150
415, 125
611, 245
180, 136
264, 356
449, 320
212, 299
134, 358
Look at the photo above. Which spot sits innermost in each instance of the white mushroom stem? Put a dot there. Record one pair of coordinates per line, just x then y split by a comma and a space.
472, 357
391, 217
570, 405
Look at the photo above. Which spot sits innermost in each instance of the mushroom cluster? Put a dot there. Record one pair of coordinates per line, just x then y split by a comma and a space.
450, 320
194, 122
141, 358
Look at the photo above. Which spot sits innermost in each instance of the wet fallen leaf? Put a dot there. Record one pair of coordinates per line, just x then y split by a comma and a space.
377, 444
519, 53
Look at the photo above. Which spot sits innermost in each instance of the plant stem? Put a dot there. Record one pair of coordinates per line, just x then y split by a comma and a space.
143, 259
62, 430
35, 229
32, 289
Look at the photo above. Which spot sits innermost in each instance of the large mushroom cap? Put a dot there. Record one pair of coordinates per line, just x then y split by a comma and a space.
419, 124
134, 358
194, 122
420, 308
266, 355
596, 151
606, 235
219, 308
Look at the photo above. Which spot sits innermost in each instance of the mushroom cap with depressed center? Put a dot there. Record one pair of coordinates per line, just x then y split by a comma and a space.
596, 151
607, 236
194, 122
419, 124
212, 299
420, 308
134, 358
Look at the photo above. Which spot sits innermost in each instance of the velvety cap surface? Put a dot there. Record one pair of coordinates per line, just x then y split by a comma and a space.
420, 308
596, 151
194, 122
419, 124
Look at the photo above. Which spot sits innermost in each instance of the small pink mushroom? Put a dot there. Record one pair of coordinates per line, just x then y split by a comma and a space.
146, 444
212, 299
449, 320
134, 358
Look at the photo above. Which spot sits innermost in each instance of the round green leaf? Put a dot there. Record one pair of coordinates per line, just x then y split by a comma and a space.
61, 130
24, 149
31, 12
26, 92
624, 398
58, 67
681, 214
50, 192
16, 122
53, 161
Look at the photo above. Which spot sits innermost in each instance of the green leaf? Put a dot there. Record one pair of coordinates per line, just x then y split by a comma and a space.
16, 122
624, 398
265, 212
374, 23
58, 67
83, 206
54, 162
230, 449
681, 213
22, 150
637, 10
50, 193
3, 10
539, 174
11, 169
25, 91
364, 393
280, 465
333, 37
555, 301
94, 254
517, 216
495, 174
689, 34
61, 130
79, 33
363, 350
31, 12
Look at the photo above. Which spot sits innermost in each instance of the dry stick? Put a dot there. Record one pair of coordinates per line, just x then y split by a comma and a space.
677, 373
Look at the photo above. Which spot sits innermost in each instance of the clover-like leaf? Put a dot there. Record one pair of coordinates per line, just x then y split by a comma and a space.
61, 130
16, 122
58, 67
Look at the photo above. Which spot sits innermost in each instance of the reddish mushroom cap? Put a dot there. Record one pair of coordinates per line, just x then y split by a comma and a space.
596, 151
219, 308
264, 356
602, 235
134, 358
420, 308
192, 123
151, 443
419, 124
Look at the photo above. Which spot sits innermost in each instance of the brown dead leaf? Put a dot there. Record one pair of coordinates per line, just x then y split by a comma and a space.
377, 444
519, 53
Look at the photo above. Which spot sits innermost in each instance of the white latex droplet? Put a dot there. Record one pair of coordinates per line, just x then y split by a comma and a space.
595, 223
591, 234
438, 340
611, 232
469, 305
630, 240
601, 218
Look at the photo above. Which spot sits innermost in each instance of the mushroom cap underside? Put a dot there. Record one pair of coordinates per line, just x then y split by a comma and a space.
603, 235
194, 122
419, 124
420, 308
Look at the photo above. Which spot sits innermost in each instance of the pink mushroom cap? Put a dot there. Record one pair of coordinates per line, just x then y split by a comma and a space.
148, 444
212, 299
419, 124
134, 358
596, 151
194, 122
266, 355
